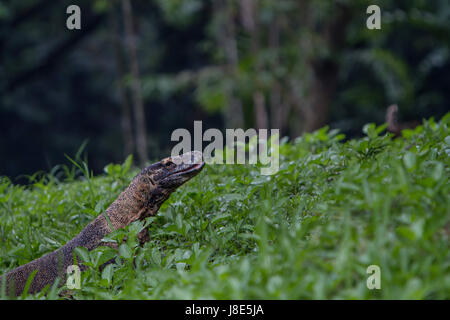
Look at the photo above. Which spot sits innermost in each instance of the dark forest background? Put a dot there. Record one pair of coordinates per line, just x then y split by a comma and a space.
139, 69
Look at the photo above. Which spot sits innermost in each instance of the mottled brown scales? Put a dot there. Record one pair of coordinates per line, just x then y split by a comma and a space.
141, 199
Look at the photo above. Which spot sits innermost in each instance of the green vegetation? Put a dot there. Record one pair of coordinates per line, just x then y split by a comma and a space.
308, 232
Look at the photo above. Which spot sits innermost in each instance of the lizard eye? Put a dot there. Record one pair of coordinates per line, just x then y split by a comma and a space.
169, 164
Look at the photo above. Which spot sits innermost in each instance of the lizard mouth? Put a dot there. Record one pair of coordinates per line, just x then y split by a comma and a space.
195, 168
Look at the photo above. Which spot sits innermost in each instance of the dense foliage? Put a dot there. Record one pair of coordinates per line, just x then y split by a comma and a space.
308, 232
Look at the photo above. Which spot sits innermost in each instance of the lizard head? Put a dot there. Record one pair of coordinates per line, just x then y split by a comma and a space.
155, 183
172, 172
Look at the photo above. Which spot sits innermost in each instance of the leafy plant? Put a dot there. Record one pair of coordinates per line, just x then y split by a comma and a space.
308, 232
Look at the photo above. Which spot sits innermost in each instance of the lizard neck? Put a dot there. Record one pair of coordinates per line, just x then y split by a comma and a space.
134, 203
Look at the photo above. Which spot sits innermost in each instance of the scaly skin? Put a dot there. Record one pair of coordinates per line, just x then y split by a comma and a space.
141, 199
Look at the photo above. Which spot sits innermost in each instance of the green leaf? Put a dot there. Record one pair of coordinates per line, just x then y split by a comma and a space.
406, 233
370, 130
447, 140
409, 159
107, 273
83, 253
101, 255
127, 164
438, 171
125, 251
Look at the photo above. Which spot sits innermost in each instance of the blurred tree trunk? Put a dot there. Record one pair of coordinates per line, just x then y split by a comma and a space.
296, 100
319, 85
279, 107
226, 34
126, 116
323, 88
249, 17
138, 106
261, 119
